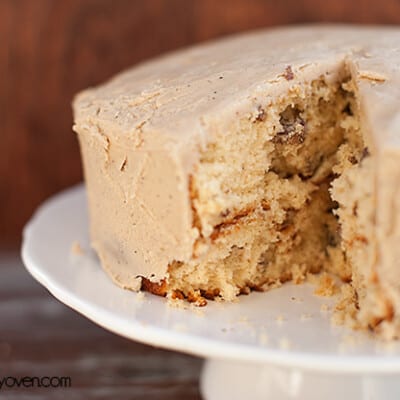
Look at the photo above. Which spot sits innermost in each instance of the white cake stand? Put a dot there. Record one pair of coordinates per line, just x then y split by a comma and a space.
276, 345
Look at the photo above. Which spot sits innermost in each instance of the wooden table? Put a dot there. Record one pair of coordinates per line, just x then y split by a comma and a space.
39, 336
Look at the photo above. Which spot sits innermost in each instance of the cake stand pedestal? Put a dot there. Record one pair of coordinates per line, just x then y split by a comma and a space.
231, 380
276, 345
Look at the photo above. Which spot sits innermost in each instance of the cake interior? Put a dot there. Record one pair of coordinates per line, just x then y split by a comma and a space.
285, 192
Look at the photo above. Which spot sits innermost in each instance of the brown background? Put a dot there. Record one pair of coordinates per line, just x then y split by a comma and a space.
50, 49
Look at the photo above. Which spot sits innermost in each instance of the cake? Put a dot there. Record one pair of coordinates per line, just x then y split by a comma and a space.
246, 162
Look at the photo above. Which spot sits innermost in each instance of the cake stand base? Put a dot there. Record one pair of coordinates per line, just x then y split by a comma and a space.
235, 380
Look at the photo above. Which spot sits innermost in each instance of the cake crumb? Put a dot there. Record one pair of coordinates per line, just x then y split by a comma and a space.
176, 303
285, 344
76, 248
326, 285
140, 296
263, 339
297, 299
387, 347
179, 327
272, 285
345, 312
306, 316
244, 318
324, 307
198, 311
347, 342
299, 274
388, 331
372, 76
280, 319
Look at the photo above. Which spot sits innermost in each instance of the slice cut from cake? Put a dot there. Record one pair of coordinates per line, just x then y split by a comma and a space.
250, 161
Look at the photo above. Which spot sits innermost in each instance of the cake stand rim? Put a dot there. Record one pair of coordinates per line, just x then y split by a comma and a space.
206, 348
